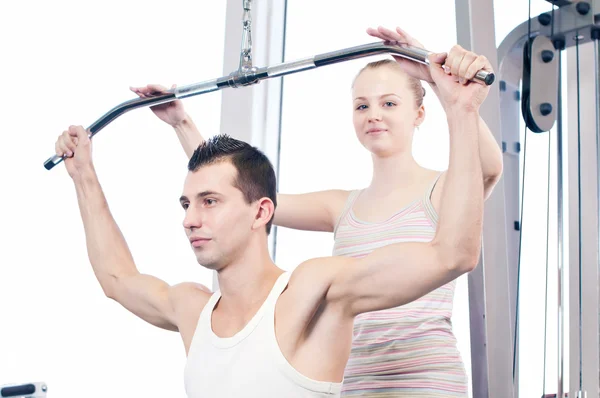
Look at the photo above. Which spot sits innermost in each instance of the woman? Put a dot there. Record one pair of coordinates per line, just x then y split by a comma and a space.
410, 350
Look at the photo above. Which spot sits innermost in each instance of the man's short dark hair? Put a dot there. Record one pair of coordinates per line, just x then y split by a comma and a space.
255, 175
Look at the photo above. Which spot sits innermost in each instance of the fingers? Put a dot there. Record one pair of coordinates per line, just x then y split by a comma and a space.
408, 38
435, 69
403, 33
80, 133
58, 148
157, 89
70, 140
457, 53
386, 34
438, 59
377, 34
389, 34
372, 32
480, 63
464, 65
136, 90
436, 62
65, 144
150, 90
399, 35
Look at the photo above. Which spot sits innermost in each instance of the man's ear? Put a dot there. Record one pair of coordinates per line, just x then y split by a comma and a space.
265, 209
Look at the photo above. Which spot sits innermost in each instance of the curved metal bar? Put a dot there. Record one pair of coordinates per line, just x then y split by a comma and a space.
171, 95
253, 76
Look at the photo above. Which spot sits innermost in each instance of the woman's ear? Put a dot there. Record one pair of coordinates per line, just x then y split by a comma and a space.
420, 116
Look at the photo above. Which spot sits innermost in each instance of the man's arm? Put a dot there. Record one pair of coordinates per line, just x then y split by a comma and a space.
146, 296
143, 295
490, 155
400, 273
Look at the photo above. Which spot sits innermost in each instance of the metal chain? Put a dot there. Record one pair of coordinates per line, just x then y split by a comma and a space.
246, 53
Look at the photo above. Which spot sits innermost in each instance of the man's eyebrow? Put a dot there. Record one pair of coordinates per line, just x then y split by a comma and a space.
199, 195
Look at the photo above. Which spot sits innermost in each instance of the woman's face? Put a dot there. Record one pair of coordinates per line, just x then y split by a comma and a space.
384, 111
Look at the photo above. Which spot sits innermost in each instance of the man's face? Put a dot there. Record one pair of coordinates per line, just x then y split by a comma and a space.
218, 221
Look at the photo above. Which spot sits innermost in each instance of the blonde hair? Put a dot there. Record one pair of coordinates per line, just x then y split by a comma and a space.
415, 84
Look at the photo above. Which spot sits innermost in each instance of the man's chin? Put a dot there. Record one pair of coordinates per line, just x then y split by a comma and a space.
208, 263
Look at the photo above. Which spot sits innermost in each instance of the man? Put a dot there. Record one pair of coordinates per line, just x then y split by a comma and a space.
267, 333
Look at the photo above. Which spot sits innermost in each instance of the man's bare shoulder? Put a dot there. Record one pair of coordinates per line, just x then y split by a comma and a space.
187, 300
189, 297
311, 280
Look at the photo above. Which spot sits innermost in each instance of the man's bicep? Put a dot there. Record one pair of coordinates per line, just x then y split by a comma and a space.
148, 298
390, 276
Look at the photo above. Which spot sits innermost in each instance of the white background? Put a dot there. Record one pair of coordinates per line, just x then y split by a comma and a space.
68, 62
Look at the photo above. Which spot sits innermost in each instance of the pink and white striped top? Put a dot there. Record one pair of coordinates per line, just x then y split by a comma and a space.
408, 350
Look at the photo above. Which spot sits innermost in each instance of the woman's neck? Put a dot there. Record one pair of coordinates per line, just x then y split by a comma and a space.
393, 171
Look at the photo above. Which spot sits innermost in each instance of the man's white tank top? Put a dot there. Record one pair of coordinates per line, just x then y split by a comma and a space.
249, 364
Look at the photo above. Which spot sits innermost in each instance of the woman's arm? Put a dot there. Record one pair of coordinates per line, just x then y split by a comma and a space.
173, 113
188, 134
314, 211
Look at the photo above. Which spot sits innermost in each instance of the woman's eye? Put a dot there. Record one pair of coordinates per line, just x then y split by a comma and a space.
389, 103
361, 107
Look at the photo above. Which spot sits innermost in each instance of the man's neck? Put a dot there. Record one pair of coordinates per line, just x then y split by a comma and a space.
246, 282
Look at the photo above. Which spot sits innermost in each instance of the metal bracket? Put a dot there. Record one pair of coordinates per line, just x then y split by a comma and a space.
540, 84
560, 3
574, 22
246, 53
246, 73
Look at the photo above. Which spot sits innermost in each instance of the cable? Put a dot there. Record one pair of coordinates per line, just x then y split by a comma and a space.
515, 339
279, 129
559, 45
547, 249
547, 240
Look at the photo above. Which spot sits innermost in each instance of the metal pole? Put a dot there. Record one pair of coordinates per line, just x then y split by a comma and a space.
560, 215
596, 37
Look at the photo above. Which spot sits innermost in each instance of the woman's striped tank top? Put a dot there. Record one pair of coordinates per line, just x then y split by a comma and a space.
408, 351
